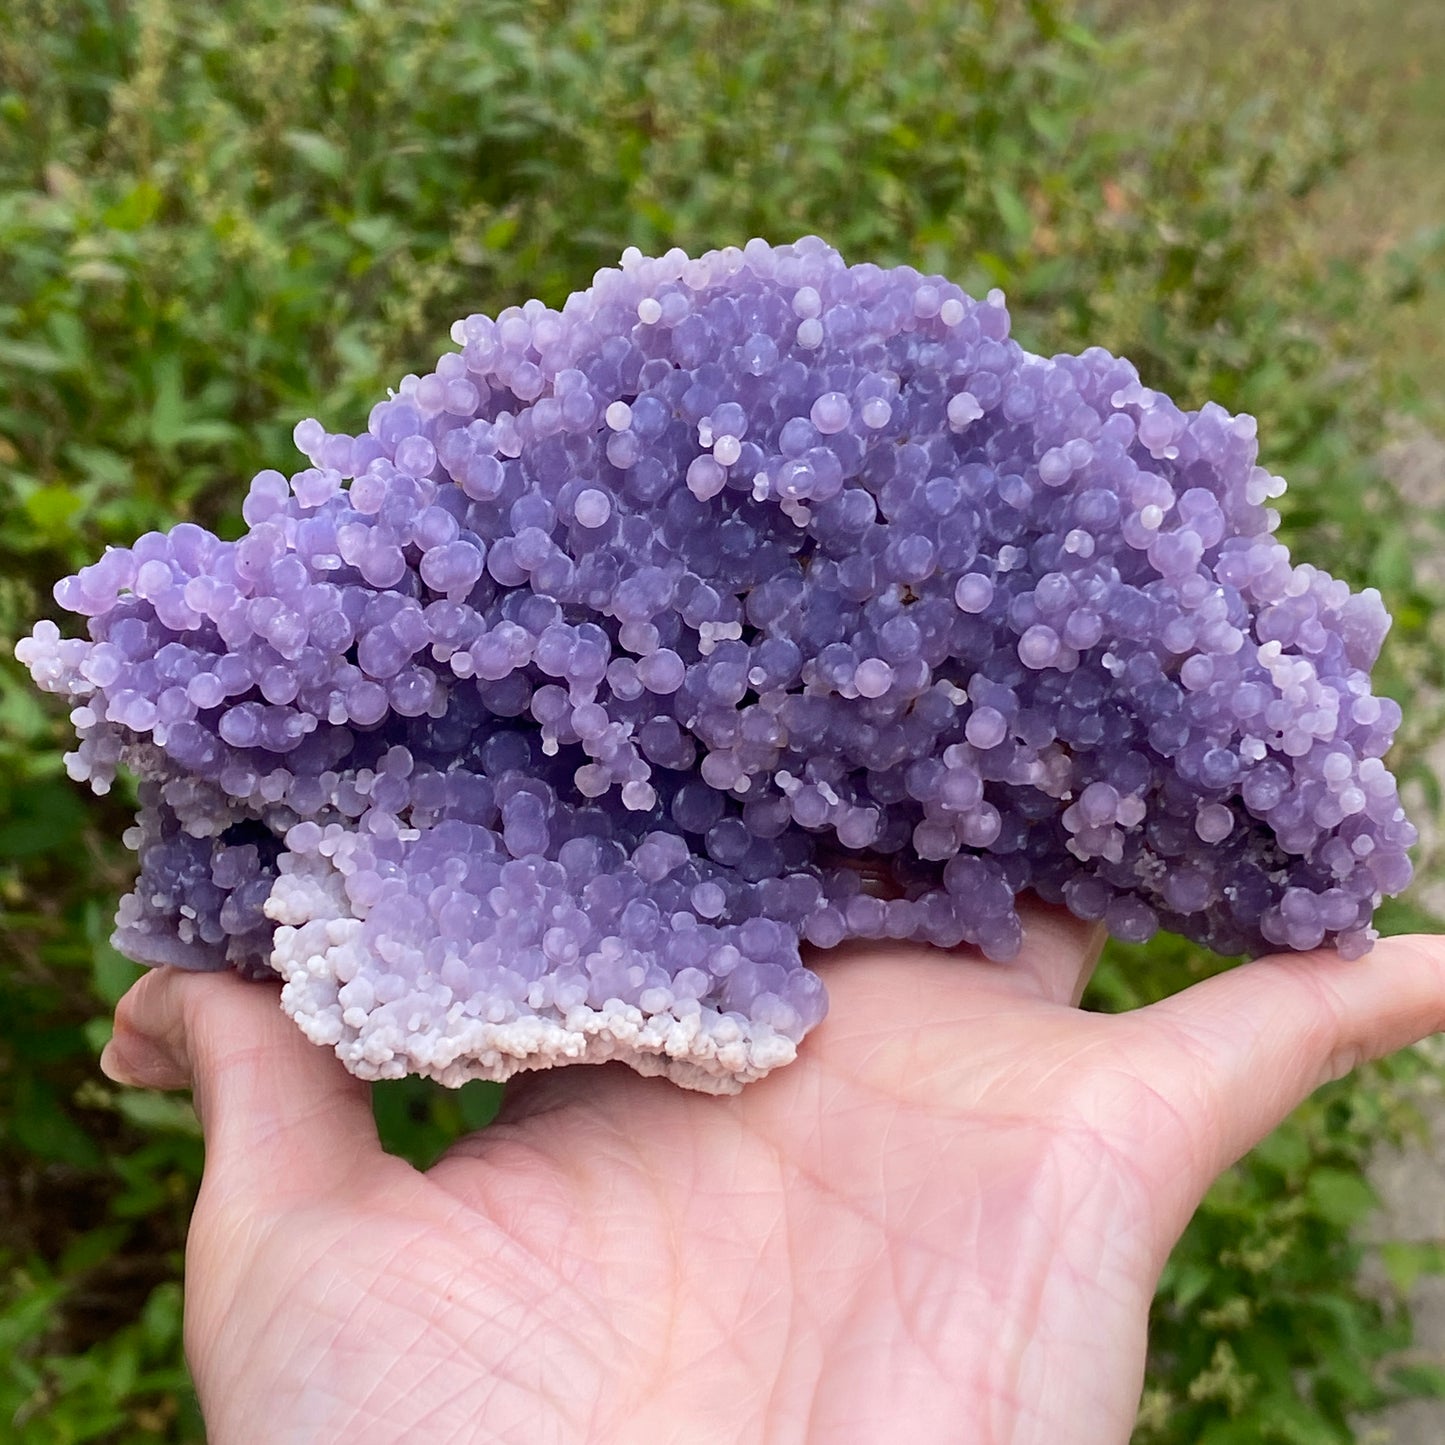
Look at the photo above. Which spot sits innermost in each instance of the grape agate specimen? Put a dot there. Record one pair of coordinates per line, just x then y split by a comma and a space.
747, 599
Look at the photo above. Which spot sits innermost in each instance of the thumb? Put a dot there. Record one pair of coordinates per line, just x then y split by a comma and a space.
273, 1105
1237, 1053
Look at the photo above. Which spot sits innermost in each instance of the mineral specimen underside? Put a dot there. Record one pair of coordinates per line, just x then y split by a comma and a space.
541, 721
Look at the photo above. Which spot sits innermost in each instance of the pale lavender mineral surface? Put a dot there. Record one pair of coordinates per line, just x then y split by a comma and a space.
542, 720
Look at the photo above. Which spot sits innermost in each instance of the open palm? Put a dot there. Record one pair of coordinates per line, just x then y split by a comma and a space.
945, 1222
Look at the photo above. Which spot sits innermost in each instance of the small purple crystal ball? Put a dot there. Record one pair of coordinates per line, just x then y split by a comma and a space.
541, 722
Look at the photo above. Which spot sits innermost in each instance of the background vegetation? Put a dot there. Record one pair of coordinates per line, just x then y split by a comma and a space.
215, 220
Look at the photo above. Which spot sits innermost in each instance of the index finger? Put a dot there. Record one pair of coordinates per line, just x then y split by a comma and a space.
1239, 1051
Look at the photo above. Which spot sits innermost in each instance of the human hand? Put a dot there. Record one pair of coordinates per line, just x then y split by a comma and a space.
944, 1222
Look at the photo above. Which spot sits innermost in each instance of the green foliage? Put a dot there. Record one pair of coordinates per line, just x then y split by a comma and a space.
217, 219
417, 1119
130, 1388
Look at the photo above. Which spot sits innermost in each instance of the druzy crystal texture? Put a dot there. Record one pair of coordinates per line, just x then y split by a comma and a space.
747, 599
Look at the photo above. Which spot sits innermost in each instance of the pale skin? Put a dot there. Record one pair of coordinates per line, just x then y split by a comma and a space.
944, 1222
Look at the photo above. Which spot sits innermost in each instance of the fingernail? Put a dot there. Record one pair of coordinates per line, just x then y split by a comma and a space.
139, 1064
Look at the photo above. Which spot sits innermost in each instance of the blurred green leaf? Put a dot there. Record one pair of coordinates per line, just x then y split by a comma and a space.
159, 1113
1405, 915
87, 1250
47, 1130
31, 356
1420, 1381
50, 508
1286, 1149
168, 410
320, 154
40, 817
1012, 209
1406, 1261
136, 209
1340, 1197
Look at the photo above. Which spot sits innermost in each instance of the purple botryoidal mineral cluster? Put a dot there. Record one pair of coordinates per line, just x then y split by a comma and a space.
626, 649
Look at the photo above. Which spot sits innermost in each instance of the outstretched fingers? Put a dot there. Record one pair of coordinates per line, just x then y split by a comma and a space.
1235, 1054
274, 1106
